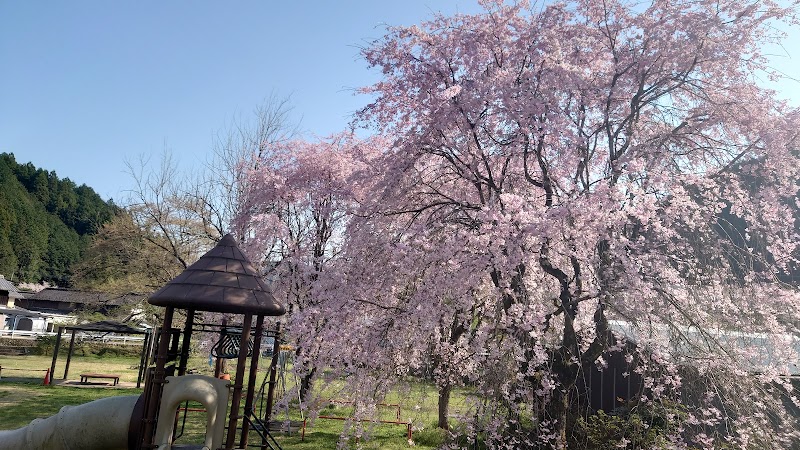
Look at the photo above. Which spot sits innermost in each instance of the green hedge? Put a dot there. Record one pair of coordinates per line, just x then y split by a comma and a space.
7, 342
45, 344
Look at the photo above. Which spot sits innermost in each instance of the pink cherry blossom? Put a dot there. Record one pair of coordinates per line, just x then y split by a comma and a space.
553, 185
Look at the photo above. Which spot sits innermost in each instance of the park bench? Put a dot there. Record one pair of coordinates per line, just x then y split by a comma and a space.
85, 377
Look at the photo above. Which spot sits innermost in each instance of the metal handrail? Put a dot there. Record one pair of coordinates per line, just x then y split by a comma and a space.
258, 425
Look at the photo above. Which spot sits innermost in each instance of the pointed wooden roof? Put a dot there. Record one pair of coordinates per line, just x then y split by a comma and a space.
223, 280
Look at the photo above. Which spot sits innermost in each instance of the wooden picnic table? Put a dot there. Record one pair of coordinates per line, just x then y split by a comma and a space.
85, 377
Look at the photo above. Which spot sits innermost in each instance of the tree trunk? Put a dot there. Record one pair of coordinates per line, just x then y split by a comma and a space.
566, 369
306, 384
557, 412
444, 406
558, 408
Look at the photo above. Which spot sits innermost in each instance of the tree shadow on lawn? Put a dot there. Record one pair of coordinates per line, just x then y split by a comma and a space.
22, 402
31, 380
318, 440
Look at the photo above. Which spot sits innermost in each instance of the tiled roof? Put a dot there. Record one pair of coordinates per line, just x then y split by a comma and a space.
86, 297
18, 311
6, 285
107, 325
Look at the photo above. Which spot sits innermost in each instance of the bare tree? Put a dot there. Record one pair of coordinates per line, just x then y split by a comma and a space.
219, 190
161, 205
184, 212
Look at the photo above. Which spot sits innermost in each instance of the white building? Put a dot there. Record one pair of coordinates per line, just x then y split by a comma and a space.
15, 318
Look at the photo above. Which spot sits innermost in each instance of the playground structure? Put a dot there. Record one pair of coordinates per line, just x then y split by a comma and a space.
221, 281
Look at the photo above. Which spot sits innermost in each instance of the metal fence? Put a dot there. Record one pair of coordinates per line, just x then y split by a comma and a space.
19, 334
104, 338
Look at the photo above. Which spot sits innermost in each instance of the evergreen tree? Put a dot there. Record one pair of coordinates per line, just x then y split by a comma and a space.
45, 222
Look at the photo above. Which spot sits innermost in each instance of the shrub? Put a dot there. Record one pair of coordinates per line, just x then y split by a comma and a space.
44, 345
638, 427
430, 436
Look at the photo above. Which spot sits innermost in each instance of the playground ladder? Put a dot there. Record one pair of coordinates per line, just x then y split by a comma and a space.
262, 429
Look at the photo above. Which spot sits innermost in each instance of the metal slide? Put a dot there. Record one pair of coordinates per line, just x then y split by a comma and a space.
103, 424
98, 425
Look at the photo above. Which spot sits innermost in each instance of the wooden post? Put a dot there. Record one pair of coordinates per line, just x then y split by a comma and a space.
187, 336
143, 359
273, 372
69, 353
251, 380
151, 348
219, 365
237, 387
157, 381
55, 352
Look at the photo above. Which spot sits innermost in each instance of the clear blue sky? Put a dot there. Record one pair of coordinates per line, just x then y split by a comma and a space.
86, 84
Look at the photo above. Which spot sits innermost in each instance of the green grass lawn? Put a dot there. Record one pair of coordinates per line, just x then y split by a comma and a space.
32, 368
21, 402
23, 398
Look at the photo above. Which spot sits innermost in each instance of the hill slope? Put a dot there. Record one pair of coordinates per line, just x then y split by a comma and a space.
45, 222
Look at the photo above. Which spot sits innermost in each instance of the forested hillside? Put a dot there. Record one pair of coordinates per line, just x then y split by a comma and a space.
46, 223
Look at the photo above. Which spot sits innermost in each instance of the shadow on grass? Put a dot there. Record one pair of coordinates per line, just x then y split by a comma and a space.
330, 439
313, 440
22, 402
22, 380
